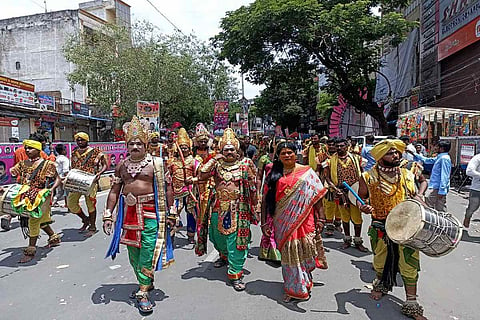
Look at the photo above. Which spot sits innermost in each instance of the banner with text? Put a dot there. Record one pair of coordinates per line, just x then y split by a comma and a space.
150, 111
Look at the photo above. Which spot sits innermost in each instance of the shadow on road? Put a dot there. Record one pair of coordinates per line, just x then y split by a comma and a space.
107, 293
15, 254
386, 308
206, 271
272, 290
335, 245
468, 238
72, 235
367, 274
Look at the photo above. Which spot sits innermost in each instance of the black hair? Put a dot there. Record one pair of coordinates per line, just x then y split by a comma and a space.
37, 137
445, 145
59, 148
341, 140
243, 147
275, 174
3, 164
405, 138
332, 140
369, 139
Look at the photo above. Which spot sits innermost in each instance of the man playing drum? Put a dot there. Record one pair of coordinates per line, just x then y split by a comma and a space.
87, 159
39, 179
387, 185
139, 188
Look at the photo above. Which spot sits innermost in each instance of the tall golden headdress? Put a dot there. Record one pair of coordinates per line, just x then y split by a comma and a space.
183, 138
200, 131
229, 138
136, 129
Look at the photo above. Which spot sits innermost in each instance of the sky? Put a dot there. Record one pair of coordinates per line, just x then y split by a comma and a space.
201, 17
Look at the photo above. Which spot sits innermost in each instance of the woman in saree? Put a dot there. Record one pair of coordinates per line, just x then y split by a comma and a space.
294, 201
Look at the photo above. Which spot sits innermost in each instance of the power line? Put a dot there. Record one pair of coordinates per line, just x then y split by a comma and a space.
32, 1
164, 16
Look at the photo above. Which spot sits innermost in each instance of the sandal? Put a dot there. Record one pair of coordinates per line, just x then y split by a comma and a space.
133, 295
220, 263
53, 241
90, 233
144, 304
238, 285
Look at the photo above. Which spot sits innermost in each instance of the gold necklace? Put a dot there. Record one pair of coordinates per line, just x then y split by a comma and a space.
290, 183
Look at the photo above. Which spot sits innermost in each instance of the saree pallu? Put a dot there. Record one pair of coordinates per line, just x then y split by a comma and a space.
295, 233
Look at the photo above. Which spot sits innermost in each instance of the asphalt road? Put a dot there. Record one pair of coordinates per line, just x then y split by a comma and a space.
74, 281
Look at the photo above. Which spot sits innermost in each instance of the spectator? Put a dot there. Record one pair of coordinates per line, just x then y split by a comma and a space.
251, 149
4, 176
410, 150
473, 170
440, 176
369, 142
421, 149
63, 166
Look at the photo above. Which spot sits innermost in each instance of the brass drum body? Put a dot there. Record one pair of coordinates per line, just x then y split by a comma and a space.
413, 225
6, 200
79, 181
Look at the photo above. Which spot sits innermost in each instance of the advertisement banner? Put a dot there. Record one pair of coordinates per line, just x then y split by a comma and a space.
80, 108
17, 92
467, 151
46, 102
460, 39
220, 115
8, 122
114, 151
455, 14
150, 111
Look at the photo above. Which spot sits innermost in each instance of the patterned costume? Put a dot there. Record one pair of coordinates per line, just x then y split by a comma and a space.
87, 161
180, 169
140, 221
384, 193
231, 209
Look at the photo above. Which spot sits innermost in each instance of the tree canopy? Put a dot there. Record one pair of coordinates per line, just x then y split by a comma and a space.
300, 37
181, 72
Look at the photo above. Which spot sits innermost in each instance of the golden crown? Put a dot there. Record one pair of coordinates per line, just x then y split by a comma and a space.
183, 138
136, 129
229, 138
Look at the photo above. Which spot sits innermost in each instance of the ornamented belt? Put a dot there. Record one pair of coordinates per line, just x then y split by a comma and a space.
132, 200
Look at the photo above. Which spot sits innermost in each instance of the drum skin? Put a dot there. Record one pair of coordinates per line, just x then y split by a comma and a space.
422, 228
6, 200
79, 181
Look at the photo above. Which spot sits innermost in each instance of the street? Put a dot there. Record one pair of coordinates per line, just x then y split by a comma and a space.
74, 281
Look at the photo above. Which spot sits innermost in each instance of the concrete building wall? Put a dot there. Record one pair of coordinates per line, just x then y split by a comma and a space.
31, 51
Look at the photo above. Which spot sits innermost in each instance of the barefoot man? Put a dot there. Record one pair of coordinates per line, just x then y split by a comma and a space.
386, 185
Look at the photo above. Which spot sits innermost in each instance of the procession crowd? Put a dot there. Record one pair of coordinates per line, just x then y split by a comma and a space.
296, 194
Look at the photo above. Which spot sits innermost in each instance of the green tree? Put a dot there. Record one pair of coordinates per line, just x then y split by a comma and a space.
181, 72
344, 36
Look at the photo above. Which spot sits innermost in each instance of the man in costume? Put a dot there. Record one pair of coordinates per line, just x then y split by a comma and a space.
332, 214
311, 152
386, 185
139, 188
39, 179
345, 167
154, 145
202, 154
181, 167
93, 161
232, 208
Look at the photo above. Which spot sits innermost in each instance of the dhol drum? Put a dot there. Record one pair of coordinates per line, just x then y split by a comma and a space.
419, 227
79, 181
6, 197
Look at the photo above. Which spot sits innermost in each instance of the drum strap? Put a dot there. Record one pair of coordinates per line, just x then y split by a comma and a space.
37, 170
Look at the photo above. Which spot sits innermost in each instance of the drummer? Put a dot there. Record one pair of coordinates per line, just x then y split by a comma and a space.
39, 179
385, 186
90, 160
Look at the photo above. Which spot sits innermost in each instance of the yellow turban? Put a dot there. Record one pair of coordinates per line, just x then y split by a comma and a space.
152, 135
381, 148
82, 135
33, 144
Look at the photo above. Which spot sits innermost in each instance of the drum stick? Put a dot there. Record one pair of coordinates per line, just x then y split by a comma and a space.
354, 193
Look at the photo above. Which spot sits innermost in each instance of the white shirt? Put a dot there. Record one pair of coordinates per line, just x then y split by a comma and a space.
409, 156
473, 170
63, 165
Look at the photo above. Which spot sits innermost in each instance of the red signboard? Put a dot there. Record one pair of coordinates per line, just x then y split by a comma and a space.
460, 39
8, 122
16, 92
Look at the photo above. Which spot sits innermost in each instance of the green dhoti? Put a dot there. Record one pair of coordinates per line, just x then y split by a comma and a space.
141, 258
226, 245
